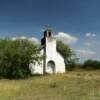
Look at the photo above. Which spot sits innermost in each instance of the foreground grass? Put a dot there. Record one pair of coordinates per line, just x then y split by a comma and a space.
70, 86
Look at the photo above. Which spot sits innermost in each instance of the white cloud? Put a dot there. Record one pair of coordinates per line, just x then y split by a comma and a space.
21, 37
32, 39
87, 44
85, 52
90, 35
66, 38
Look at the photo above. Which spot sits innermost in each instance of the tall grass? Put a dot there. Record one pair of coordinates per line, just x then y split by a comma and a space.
52, 87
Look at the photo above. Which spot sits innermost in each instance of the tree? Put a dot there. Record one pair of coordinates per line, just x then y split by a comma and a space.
91, 64
68, 55
15, 57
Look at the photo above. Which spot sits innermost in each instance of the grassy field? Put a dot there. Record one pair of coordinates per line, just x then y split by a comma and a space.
70, 86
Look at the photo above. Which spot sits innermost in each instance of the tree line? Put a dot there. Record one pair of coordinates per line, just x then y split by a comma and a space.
91, 64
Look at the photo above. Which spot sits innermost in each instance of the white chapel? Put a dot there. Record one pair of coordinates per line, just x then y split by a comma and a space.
52, 61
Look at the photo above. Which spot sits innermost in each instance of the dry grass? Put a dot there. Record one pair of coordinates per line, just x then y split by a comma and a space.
70, 86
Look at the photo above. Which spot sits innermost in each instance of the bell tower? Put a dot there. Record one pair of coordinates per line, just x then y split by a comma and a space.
48, 43
47, 34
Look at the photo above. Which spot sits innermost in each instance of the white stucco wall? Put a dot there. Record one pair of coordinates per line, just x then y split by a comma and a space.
53, 55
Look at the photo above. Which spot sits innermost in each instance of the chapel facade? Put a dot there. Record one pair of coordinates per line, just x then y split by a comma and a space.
52, 61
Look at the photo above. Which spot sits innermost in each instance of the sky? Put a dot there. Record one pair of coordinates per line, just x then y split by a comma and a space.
75, 22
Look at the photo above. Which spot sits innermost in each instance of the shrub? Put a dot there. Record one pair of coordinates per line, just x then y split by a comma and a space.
91, 64
53, 85
15, 57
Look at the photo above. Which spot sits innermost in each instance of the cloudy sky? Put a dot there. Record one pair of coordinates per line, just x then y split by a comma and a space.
75, 22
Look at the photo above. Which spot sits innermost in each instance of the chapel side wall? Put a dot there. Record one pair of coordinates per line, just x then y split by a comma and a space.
60, 63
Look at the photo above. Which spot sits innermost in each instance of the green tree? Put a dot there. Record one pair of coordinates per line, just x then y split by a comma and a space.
68, 55
91, 64
15, 57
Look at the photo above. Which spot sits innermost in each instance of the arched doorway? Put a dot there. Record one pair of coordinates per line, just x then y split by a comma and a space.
51, 67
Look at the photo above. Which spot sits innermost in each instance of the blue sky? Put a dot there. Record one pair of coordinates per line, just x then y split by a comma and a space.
76, 18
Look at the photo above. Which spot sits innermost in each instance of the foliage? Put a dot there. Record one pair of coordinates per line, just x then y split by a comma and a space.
68, 55
15, 57
91, 64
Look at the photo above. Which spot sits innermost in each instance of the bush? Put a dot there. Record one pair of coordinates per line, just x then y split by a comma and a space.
15, 57
91, 64
53, 85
